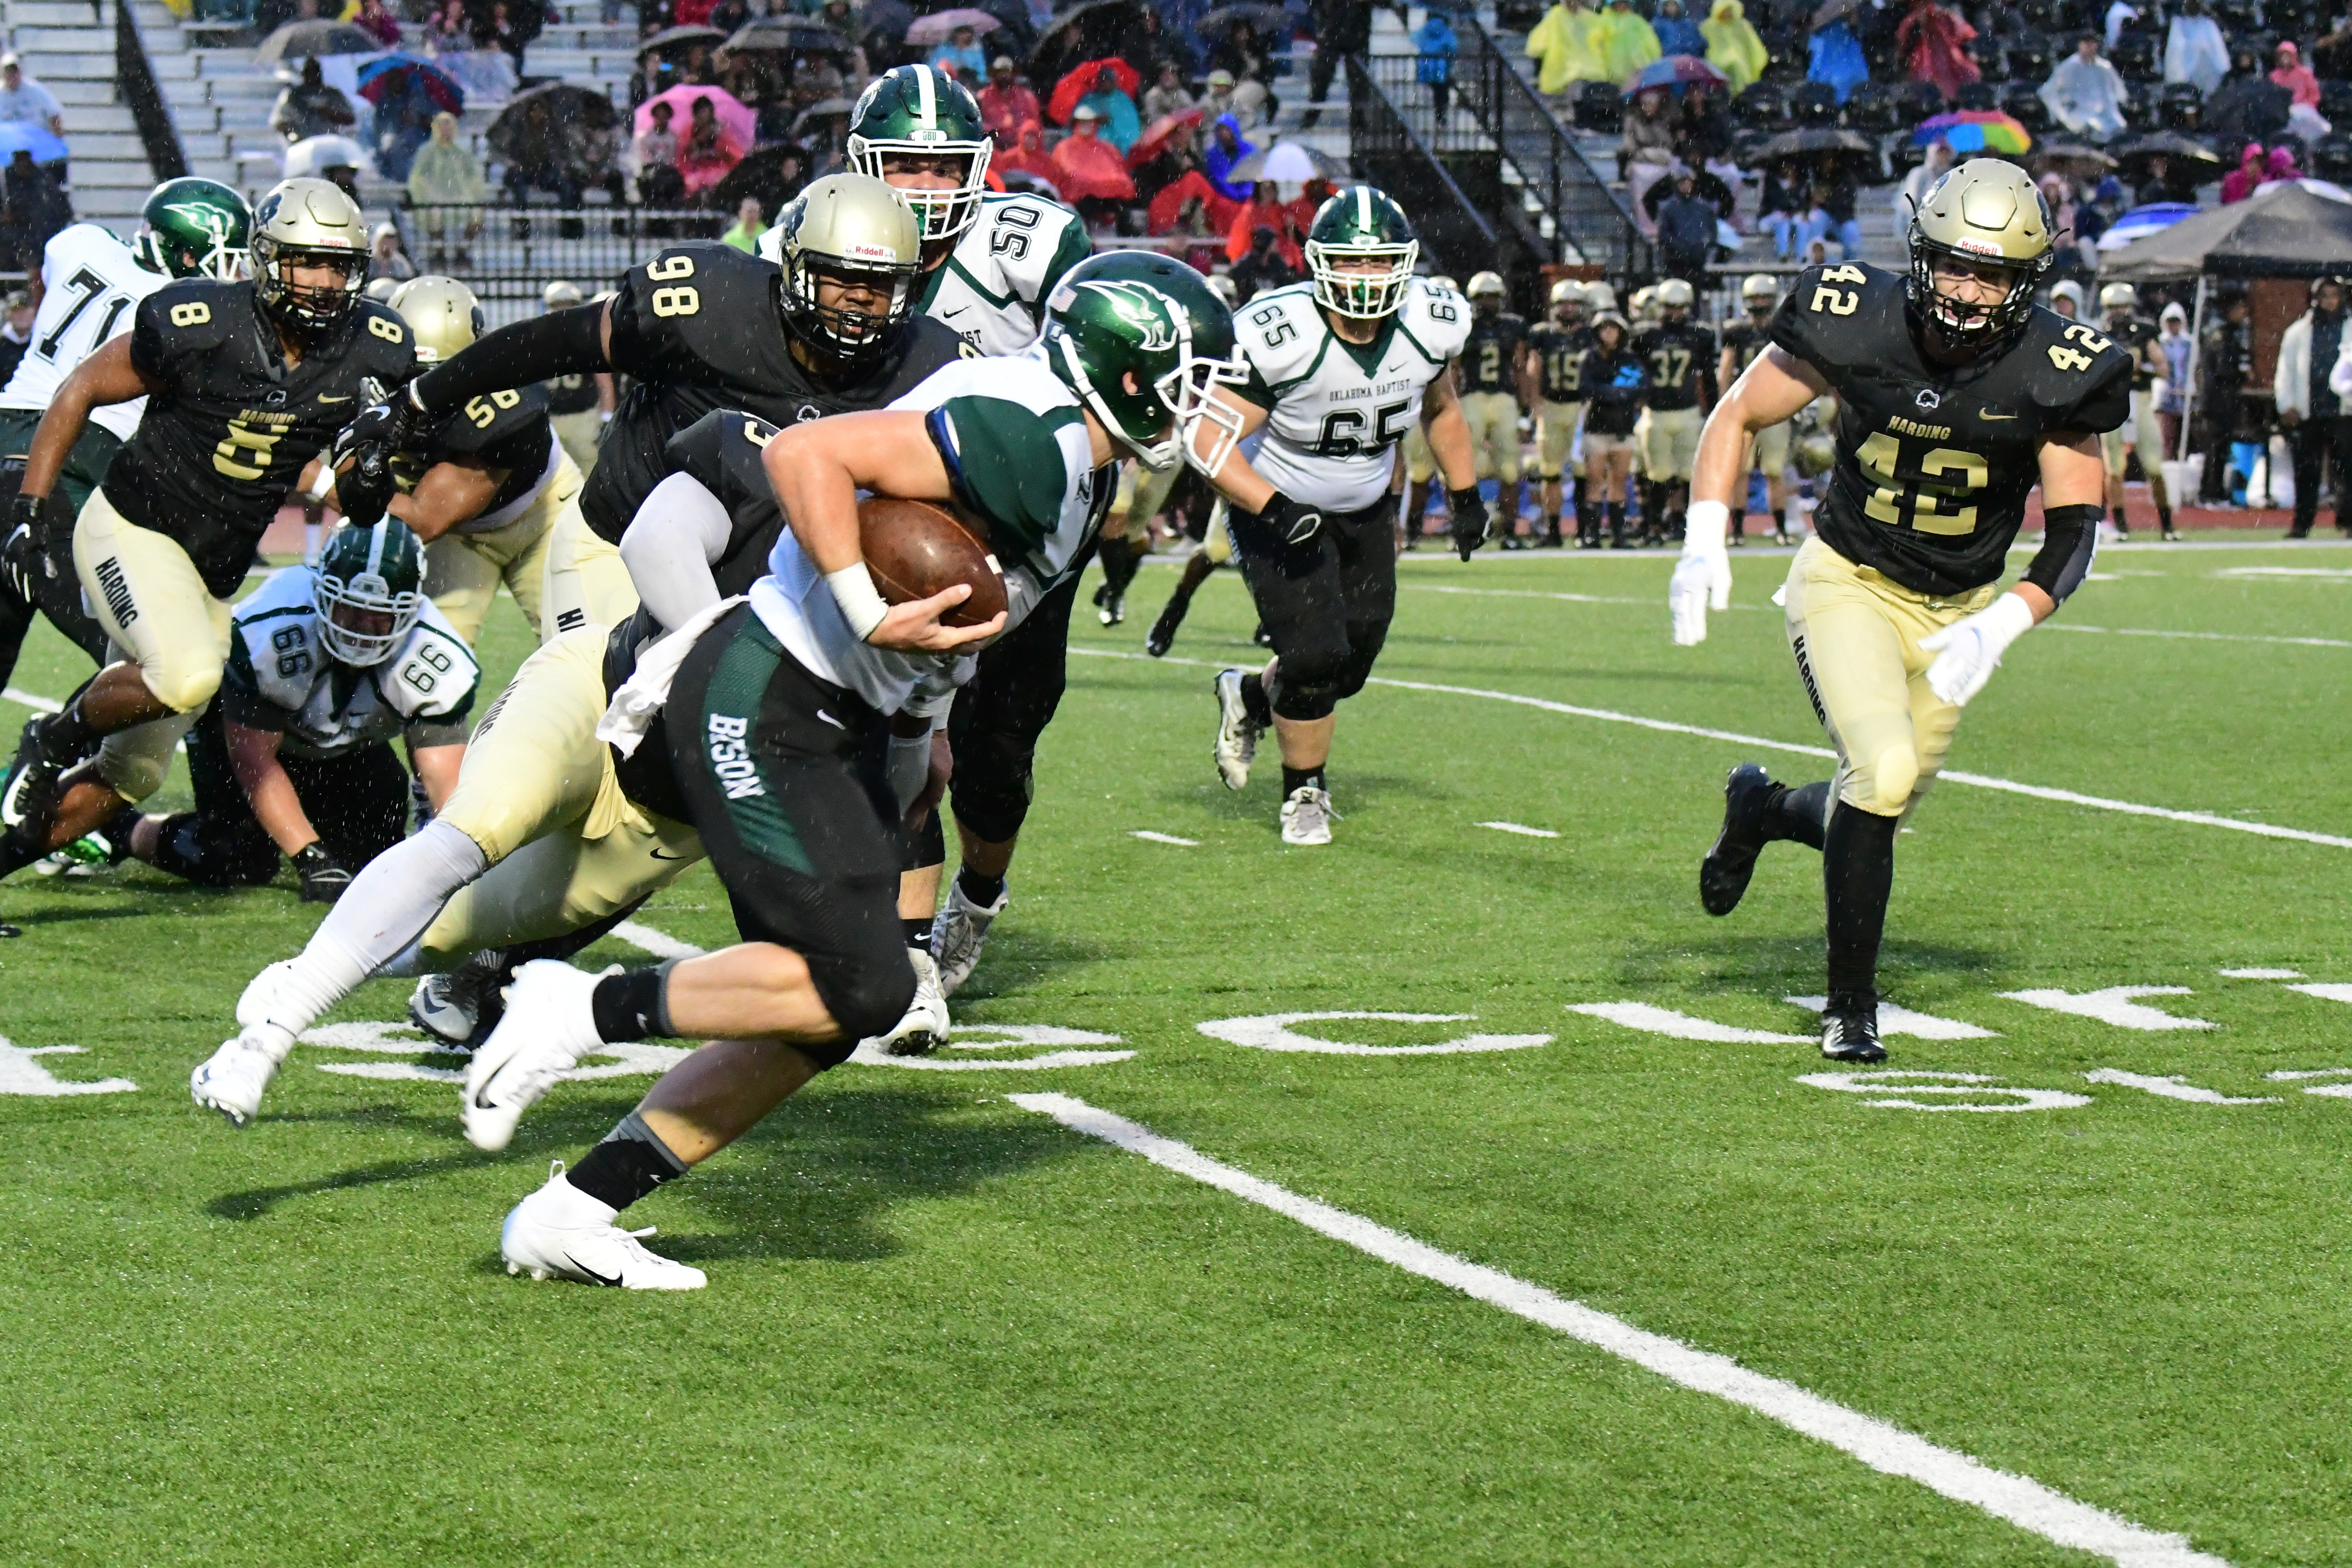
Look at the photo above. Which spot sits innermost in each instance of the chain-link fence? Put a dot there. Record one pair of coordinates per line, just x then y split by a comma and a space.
508, 255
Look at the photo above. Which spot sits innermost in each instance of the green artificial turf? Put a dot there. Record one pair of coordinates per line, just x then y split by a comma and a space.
943, 1328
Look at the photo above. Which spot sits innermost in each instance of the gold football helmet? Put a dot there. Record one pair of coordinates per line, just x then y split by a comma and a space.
1760, 291
1988, 213
2118, 297
308, 224
848, 229
443, 315
1674, 294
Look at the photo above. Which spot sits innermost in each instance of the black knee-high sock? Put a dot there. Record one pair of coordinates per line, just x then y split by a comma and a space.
1616, 510
631, 1162
1120, 560
1254, 697
1857, 876
1196, 572
1800, 814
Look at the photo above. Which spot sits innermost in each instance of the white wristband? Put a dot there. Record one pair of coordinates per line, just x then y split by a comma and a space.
323, 483
1704, 526
861, 605
2008, 617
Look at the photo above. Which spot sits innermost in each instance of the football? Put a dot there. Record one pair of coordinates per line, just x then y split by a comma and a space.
915, 549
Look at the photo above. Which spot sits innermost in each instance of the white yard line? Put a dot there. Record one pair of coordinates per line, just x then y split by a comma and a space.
37, 704
1148, 836
1981, 780
1521, 828
2018, 1499
659, 943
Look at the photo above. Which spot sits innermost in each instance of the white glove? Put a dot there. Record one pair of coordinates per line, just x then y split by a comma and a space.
1968, 651
1703, 577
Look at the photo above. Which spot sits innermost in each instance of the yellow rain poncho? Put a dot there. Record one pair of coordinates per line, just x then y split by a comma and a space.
1732, 46
1624, 39
1563, 47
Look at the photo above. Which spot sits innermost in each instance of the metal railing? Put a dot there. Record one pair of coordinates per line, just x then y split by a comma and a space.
1385, 148
135, 85
1586, 215
506, 252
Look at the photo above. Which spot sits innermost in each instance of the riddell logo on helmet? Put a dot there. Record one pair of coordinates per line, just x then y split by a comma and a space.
865, 252
1975, 247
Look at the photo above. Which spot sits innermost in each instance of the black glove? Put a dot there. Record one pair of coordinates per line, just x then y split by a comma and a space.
392, 425
23, 556
1470, 519
323, 881
1293, 522
367, 488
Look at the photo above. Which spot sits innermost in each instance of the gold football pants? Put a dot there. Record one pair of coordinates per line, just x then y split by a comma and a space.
587, 585
463, 570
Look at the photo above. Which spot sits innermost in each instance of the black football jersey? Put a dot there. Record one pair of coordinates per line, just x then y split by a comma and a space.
1935, 462
573, 394
1681, 361
234, 425
1560, 361
1746, 340
2134, 335
1490, 355
720, 451
502, 430
699, 328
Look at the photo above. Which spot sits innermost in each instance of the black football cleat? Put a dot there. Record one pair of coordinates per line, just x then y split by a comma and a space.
33, 788
1723, 874
1162, 635
1851, 1035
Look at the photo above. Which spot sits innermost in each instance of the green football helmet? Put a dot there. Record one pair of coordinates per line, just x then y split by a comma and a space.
1135, 313
1361, 224
369, 591
914, 113
193, 228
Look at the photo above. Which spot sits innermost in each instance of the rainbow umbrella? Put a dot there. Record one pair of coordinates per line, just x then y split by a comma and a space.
1975, 131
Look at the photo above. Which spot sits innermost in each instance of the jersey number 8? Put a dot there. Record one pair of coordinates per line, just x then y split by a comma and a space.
676, 301
242, 438
1882, 454
481, 412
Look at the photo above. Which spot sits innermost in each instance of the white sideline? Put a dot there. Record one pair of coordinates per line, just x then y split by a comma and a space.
2023, 1502
1981, 780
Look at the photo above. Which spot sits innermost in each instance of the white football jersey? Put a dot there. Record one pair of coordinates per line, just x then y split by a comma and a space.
330, 708
991, 290
1337, 408
90, 281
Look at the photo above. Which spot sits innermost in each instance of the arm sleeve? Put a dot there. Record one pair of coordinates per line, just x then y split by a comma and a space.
561, 342
669, 547
2070, 540
448, 730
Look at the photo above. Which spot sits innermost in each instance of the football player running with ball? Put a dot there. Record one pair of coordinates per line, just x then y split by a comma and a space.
245, 382
1955, 395
1338, 370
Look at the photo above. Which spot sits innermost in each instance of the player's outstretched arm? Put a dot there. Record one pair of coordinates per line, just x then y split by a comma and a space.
817, 469
2073, 491
1772, 390
1448, 432
1247, 489
561, 342
448, 494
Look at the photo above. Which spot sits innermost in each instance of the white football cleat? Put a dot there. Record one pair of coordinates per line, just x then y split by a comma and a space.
1307, 816
924, 1029
957, 933
550, 1023
252, 1003
554, 1235
1237, 732
233, 1078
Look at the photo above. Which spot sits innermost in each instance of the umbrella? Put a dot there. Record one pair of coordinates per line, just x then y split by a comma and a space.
2141, 222
1815, 139
1286, 161
378, 80
2168, 145
762, 173
824, 108
1081, 81
2073, 159
1830, 11
1674, 71
566, 104
2295, 228
1265, 18
1156, 135
23, 136
781, 35
733, 116
938, 28
1975, 131
297, 39
677, 37
1707, 185
1085, 32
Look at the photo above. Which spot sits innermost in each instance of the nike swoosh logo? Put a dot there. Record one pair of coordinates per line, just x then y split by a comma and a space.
832, 720
324, 399
591, 1273
1983, 413
659, 856
958, 310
